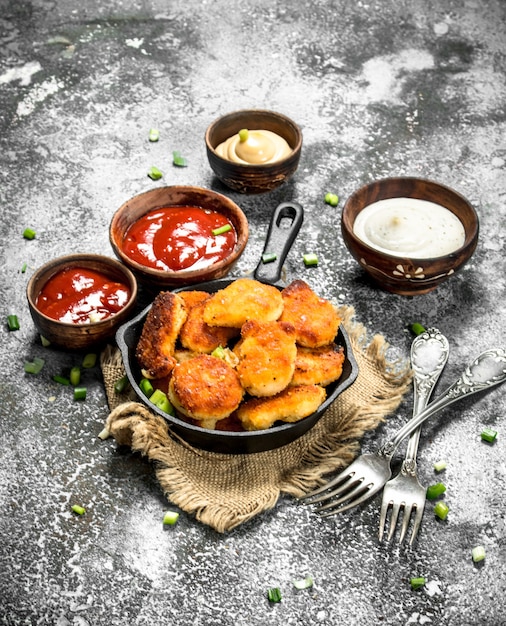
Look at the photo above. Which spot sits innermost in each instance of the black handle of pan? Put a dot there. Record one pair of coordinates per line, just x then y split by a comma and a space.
284, 227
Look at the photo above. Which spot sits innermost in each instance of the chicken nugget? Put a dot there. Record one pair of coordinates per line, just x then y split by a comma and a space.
198, 336
267, 353
155, 349
291, 405
315, 319
205, 388
193, 297
318, 366
241, 300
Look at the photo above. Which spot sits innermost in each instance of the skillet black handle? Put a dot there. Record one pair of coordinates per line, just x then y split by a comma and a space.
284, 227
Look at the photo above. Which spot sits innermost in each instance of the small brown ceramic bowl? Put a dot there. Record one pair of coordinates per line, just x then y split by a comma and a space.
400, 274
258, 178
160, 197
80, 336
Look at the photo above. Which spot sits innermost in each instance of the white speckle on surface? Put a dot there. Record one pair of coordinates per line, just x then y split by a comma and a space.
497, 162
135, 43
37, 95
441, 28
23, 74
432, 587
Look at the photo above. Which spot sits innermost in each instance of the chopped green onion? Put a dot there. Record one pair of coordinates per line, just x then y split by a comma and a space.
23, 268
221, 230
89, 360
178, 160
274, 594
417, 328
80, 393
80, 510
154, 173
310, 259
269, 257
160, 400
34, 367
434, 491
219, 352
441, 510
439, 466
121, 384
146, 387
75, 376
170, 518
303, 583
29, 233
45, 342
417, 582
489, 435
243, 135
154, 134
478, 553
62, 380
104, 434
13, 322
332, 199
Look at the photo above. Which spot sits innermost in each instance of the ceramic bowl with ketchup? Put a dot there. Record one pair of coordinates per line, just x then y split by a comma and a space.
178, 235
79, 300
409, 234
253, 151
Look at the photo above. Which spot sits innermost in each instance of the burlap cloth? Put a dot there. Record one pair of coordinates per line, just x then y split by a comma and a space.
223, 490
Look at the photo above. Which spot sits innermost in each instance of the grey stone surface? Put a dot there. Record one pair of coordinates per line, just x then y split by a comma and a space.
397, 87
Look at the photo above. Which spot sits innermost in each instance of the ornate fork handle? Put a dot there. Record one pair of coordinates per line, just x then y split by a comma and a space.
487, 370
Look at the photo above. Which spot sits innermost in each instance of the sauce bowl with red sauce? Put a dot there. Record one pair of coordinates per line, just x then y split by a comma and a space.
180, 235
78, 301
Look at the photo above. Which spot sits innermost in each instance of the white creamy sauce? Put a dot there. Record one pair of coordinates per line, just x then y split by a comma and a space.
409, 227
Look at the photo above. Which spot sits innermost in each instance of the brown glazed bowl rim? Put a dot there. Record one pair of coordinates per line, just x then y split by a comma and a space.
43, 273
182, 275
348, 219
257, 112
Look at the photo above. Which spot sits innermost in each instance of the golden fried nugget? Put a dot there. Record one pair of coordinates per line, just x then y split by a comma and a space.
315, 319
241, 300
193, 297
318, 366
267, 353
155, 349
291, 405
205, 388
198, 336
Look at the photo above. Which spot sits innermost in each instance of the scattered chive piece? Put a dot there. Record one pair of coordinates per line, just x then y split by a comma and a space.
23, 268
310, 259
178, 160
417, 582
170, 518
417, 328
104, 434
269, 257
121, 385
89, 360
146, 387
80, 510
439, 466
154, 134
75, 376
13, 322
45, 342
154, 173
243, 135
441, 510
34, 367
489, 435
478, 553
221, 230
62, 380
29, 233
304, 583
80, 393
219, 352
274, 594
160, 400
434, 491
332, 199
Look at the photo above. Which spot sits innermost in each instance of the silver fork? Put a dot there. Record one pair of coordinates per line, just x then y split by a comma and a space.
369, 472
429, 353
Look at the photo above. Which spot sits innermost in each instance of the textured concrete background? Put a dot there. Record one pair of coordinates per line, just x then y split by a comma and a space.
392, 87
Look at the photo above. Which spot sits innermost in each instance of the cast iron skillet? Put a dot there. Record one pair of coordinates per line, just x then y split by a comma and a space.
285, 224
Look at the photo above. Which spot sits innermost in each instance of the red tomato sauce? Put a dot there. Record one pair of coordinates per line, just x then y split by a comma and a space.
76, 293
179, 238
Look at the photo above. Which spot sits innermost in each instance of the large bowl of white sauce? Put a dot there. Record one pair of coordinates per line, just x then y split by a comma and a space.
409, 234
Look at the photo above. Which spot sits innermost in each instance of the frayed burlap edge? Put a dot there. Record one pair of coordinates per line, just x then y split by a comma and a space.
223, 491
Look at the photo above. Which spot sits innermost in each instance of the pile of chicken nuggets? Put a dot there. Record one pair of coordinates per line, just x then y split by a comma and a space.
249, 353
